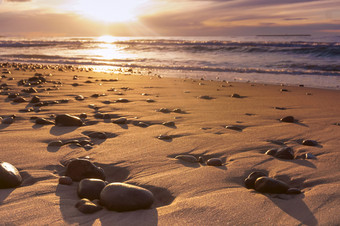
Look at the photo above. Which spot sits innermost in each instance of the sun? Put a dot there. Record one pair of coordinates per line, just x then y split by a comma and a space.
109, 11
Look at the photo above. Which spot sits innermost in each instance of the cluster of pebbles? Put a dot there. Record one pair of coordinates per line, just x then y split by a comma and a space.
200, 159
95, 193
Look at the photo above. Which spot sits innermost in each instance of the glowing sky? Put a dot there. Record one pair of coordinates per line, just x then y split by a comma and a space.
168, 17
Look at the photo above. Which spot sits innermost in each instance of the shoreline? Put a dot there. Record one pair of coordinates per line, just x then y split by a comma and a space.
186, 193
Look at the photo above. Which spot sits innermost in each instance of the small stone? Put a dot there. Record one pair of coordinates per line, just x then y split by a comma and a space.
35, 99
283, 90
170, 124
79, 169
68, 120
310, 142
177, 110
164, 137
125, 197
99, 135
57, 143
309, 156
201, 159
232, 127
271, 152
9, 176
65, 180
90, 188
87, 207
83, 115
205, 97
289, 119
164, 110
8, 120
142, 124
270, 185
250, 180
43, 121
122, 100
121, 120
150, 100
19, 100
235, 95
285, 153
214, 162
80, 97
293, 191
187, 158
13, 95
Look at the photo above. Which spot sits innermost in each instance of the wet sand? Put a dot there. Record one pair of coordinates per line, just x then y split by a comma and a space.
143, 150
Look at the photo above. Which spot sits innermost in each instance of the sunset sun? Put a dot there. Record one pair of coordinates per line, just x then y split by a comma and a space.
109, 11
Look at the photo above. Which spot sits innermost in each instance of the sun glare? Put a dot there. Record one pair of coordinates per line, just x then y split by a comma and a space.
109, 11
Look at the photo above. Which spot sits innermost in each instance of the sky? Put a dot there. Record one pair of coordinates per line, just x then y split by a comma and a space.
168, 17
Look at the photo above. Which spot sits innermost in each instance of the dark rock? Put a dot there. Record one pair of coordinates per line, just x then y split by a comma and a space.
13, 95
35, 99
80, 97
150, 100
121, 120
43, 121
99, 115
57, 143
187, 158
164, 137
87, 207
125, 197
293, 191
83, 115
271, 152
30, 90
79, 169
285, 153
289, 119
310, 142
142, 124
200, 159
214, 162
270, 185
164, 110
205, 97
283, 90
235, 95
177, 110
99, 135
9, 176
8, 120
249, 182
90, 188
65, 180
122, 100
19, 100
170, 124
232, 127
85, 142
68, 120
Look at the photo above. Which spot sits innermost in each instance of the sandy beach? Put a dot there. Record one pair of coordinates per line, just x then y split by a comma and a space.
207, 120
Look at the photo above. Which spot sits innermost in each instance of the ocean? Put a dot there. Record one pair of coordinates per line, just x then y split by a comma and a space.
313, 61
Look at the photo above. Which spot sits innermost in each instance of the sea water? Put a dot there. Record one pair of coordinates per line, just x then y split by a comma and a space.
308, 60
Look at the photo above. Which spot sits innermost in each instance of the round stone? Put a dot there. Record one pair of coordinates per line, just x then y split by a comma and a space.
8, 120
293, 191
270, 185
310, 142
271, 152
289, 119
164, 137
214, 162
235, 95
121, 120
79, 169
68, 120
65, 180
43, 121
285, 153
87, 207
80, 97
57, 143
232, 127
170, 124
125, 197
9, 176
177, 110
83, 115
187, 158
249, 182
99, 135
90, 188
